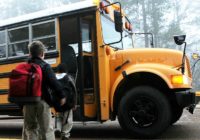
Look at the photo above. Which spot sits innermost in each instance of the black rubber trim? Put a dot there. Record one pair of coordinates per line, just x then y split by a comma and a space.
24, 99
25, 58
3, 91
4, 75
9, 106
185, 98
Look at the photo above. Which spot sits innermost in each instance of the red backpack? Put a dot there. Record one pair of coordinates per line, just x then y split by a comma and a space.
25, 84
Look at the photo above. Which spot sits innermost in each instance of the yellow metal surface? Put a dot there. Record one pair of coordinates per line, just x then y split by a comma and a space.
96, 2
197, 93
104, 73
4, 83
90, 106
90, 110
155, 61
4, 99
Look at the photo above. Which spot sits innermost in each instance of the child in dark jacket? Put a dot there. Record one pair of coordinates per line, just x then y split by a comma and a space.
64, 122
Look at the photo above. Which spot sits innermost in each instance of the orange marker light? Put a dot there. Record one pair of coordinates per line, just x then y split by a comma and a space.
107, 11
127, 25
108, 50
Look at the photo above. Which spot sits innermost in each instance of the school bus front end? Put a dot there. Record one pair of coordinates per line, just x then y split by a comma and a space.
148, 89
145, 89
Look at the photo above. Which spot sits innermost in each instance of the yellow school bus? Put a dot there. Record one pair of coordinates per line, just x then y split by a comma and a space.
146, 89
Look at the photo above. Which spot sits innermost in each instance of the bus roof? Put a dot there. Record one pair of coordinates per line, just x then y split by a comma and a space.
50, 12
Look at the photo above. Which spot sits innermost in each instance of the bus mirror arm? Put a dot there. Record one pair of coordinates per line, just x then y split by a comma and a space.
179, 40
183, 59
152, 39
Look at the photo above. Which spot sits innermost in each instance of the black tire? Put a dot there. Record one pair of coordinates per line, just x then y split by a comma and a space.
144, 112
177, 112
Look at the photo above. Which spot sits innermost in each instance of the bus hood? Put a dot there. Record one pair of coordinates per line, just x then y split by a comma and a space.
168, 57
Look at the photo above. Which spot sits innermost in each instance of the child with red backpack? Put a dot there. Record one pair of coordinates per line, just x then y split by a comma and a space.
29, 84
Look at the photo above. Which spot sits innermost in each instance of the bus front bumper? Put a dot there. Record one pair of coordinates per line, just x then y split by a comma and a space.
187, 99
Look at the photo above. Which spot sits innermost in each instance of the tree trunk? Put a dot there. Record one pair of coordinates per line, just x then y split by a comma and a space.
155, 23
145, 24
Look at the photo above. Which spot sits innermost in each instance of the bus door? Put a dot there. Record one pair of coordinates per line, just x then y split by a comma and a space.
77, 34
89, 66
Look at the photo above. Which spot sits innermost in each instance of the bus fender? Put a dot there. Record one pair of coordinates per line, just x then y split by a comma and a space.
126, 73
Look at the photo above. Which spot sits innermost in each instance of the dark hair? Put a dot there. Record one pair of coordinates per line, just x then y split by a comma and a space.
62, 68
36, 48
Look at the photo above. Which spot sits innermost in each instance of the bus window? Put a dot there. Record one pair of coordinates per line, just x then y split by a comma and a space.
69, 37
2, 44
86, 38
109, 33
127, 40
18, 40
45, 32
2, 37
87, 56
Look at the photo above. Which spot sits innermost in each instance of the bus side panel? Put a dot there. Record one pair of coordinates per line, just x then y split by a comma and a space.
104, 73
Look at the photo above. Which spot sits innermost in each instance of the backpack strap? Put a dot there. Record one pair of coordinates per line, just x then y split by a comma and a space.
71, 81
38, 61
43, 66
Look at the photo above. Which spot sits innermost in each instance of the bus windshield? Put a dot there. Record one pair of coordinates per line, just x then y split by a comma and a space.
110, 35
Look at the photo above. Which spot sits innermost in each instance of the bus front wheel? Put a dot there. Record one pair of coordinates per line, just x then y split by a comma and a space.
176, 113
144, 112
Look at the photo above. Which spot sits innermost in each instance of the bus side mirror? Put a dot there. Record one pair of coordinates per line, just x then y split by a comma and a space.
118, 21
179, 39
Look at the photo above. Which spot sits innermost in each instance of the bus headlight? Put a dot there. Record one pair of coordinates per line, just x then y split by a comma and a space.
180, 79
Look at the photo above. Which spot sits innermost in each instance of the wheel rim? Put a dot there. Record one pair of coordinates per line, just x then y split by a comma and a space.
143, 112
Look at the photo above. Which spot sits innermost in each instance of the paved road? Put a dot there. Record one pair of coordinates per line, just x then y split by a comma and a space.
187, 128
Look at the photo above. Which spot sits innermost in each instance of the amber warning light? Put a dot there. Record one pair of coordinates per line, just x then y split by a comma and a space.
104, 8
128, 26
